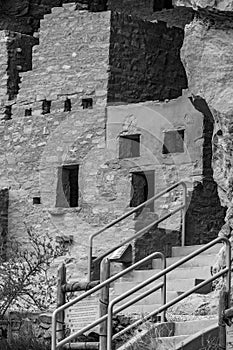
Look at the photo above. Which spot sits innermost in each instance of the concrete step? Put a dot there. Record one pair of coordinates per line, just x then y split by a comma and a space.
139, 309
202, 272
183, 251
179, 285
191, 327
167, 343
152, 299
201, 260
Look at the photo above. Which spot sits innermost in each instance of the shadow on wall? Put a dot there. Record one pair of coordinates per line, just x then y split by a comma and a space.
205, 215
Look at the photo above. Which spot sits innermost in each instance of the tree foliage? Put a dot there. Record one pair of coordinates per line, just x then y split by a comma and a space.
25, 282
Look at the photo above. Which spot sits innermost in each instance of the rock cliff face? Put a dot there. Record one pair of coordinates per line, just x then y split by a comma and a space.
208, 61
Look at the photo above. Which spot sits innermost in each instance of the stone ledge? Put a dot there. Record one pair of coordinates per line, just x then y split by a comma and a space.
63, 211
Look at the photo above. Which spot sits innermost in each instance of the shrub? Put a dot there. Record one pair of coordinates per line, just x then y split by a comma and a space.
24, 280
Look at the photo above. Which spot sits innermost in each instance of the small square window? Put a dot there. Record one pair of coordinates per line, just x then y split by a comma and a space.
129, 146
68, 187
87, 103
36, 200
173, 142
28, 112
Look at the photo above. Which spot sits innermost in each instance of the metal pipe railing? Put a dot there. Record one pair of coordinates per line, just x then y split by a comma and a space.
139, 233
114, 222
169, 304
93, 290
227, 271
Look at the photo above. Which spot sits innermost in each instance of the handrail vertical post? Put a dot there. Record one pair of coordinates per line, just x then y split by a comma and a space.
89, 259
61, 300
104, 301
184, 214
164, 290
109, 330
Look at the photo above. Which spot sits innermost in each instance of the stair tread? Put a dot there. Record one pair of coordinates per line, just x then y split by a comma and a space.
182, 251
178, 284
192, 272
200, 260
168, 343
193, 326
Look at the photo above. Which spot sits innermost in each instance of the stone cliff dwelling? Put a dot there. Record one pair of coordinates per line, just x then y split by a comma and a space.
103, 105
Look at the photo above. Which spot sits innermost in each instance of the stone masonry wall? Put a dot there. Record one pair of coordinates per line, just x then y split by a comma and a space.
144, 61
24, 16
16, 56
66, 63
3, 72
178, 16
4, 203
19, 49
71, 60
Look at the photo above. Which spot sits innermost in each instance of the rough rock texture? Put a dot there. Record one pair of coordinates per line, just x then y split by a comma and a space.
207, 58
205, 214
211, 5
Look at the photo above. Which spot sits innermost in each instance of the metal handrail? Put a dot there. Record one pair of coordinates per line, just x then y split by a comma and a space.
139, 233
95, 289
179, 298
114, 222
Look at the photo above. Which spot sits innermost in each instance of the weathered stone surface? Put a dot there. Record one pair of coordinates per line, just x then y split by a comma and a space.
220, 5
207, 58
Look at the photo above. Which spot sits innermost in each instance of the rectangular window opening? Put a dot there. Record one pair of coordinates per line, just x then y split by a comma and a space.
173, 142
68, 187
67, 105
129, 146
46, 106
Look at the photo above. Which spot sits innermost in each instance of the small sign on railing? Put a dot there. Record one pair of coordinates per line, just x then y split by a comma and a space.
82, 314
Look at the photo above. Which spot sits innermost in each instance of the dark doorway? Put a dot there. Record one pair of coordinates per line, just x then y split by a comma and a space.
162, 4
68, 189
143, 188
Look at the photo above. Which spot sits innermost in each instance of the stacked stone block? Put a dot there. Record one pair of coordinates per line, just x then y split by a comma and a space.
16, 56
71, 60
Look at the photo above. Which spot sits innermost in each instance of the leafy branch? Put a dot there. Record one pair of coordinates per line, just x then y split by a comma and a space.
24, 278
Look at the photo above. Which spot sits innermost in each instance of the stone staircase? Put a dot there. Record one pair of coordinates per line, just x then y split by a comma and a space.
178, 281
163, 336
